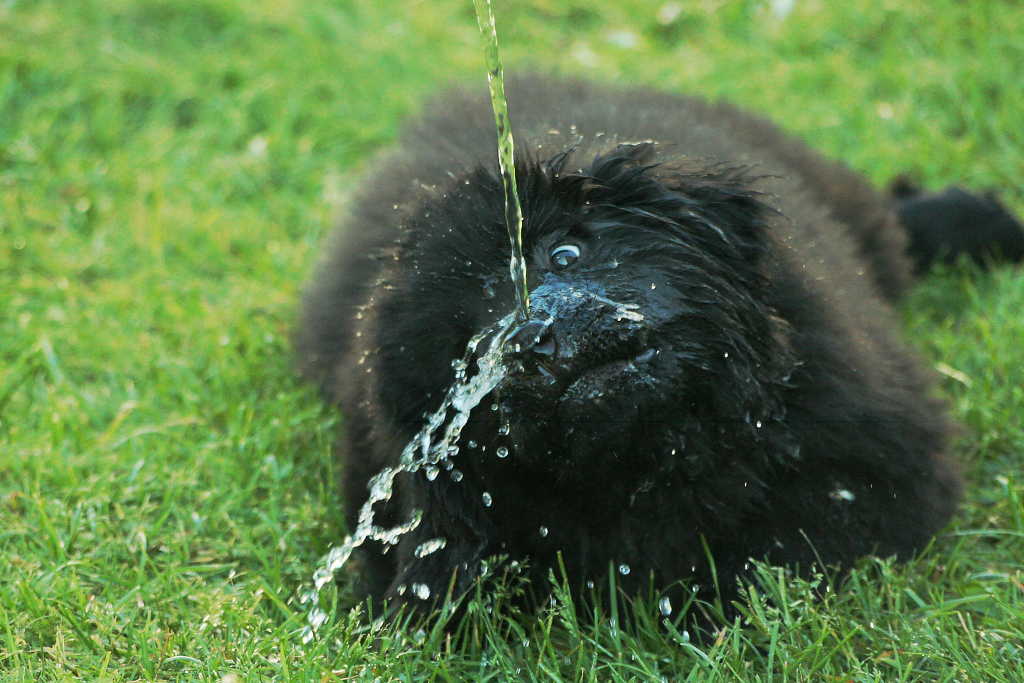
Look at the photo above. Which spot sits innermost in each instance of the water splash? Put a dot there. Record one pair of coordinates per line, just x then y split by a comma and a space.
431, 546
428, 451
506, 155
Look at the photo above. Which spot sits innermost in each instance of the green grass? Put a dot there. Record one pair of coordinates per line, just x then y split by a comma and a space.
168, 169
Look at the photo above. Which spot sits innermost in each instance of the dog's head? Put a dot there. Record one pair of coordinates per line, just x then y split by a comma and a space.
650, 291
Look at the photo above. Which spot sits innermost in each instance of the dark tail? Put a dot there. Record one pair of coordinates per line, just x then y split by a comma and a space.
944, 225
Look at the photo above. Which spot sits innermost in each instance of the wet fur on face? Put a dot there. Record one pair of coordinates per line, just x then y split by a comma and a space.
710, 367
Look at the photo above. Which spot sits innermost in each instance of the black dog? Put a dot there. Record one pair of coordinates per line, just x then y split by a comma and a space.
710, 372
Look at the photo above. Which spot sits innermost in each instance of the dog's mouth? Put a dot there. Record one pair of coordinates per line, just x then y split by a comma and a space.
552, 411
602, 380
581, 376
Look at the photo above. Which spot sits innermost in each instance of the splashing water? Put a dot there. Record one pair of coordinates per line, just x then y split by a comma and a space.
506, 149
428, 450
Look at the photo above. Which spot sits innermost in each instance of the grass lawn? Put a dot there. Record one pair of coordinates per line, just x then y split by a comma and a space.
168, 170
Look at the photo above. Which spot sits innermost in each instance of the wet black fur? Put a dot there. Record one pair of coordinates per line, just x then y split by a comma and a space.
719, 372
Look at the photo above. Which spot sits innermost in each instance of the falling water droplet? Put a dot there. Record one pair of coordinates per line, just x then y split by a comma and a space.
431, 546
502, 452
486, 498
665, 606
421, 590
623, 569
318, 620
543, 531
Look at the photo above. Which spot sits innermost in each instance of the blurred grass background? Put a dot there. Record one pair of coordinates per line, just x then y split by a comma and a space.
168, 170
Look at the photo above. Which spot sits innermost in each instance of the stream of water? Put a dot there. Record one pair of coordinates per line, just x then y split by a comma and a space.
438, 441
506, 155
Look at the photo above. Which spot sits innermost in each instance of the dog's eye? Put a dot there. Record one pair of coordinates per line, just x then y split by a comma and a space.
564, 255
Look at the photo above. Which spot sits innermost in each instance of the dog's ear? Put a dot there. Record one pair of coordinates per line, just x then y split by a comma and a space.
731, 221
723, 203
